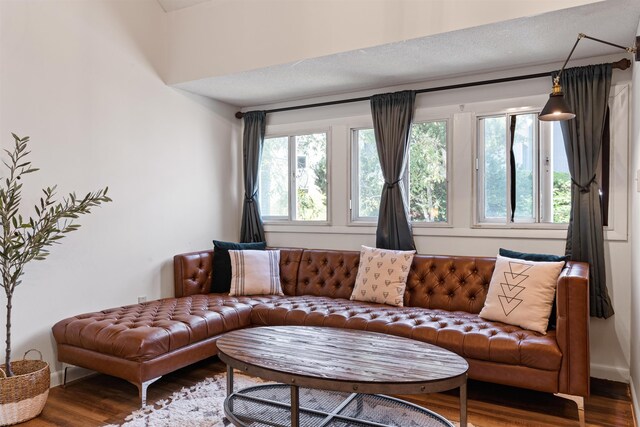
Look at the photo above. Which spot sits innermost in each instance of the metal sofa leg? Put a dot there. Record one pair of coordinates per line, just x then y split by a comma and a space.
142, 389
64, 377
579, 400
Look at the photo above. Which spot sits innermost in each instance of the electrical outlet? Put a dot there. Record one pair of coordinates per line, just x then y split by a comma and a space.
142, 299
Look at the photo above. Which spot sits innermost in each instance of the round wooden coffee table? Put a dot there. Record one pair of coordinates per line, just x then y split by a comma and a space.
340, 360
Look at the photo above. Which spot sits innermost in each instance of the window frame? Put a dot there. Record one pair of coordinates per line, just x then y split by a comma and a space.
291, 181
542, 197
354, 219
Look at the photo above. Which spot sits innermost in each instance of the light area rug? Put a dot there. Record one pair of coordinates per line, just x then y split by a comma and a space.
197, 406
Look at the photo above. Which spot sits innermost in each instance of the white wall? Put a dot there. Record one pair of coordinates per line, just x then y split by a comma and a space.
635, 237
223, 37
610, 339
83, 80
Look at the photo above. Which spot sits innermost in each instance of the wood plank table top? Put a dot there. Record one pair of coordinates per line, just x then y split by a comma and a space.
342, 359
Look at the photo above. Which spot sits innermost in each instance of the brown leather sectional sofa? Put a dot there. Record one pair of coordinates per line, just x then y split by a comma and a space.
444, 295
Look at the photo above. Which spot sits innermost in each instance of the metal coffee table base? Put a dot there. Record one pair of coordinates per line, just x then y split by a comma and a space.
270, 405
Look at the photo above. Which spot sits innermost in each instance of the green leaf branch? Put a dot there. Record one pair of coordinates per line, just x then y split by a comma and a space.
26, 239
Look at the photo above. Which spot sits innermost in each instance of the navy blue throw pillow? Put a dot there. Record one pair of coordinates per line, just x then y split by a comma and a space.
221, 278
540, 258
532, 257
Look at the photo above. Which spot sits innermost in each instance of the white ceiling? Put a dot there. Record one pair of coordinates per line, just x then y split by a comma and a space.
541, 39
170, 5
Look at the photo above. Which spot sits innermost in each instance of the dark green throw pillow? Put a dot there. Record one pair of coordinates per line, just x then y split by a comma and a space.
540, 258
221, 279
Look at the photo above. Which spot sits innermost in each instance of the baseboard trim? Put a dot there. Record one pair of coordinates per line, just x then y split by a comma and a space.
73, 373
612, 373
635, 407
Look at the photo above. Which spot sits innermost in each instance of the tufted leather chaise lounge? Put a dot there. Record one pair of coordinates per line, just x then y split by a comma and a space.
443, 298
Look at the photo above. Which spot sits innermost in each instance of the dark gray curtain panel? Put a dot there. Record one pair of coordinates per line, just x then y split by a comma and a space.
252, 229
392, 116
586, 90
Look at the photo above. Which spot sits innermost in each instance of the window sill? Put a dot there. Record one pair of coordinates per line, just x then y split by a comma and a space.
520, 226
449, 231
296, 224
414, 225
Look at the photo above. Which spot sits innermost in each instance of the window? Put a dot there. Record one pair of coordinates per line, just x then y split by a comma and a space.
293, 181
425, 178
524, 181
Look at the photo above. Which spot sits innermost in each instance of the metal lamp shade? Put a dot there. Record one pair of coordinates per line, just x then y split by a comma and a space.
556, 109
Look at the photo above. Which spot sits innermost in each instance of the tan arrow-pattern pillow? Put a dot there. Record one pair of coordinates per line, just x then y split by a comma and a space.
382, 276
521, 293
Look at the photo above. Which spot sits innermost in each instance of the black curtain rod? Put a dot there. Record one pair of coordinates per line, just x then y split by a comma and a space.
623, 64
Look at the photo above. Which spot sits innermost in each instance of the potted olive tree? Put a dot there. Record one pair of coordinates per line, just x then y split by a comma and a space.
24, 384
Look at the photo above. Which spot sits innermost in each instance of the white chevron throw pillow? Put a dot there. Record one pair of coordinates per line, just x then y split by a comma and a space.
521, 293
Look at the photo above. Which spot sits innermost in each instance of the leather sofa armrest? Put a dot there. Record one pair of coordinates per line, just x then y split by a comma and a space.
192, 273
572, 328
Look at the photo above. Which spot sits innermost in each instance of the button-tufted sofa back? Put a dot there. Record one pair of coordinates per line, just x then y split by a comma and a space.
449, 283
327, 273
436, 282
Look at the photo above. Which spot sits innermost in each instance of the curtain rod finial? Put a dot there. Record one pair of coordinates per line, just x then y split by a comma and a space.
239, 115
623, 64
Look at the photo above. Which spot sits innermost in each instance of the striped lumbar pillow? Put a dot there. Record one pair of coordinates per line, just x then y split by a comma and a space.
255, 272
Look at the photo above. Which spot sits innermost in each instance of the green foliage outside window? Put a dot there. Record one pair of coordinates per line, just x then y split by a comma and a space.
311, 177
561, 197
427, 169
495, 168
274, 178
428, 172
526, 148
370, 180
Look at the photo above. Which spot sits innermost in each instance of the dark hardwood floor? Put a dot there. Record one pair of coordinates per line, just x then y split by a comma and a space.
100, 399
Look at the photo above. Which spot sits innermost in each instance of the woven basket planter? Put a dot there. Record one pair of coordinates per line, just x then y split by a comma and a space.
22, 396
